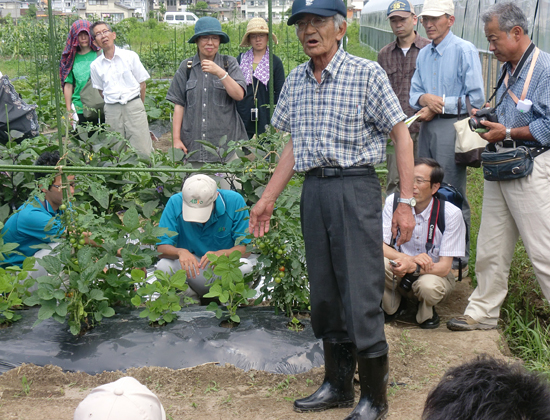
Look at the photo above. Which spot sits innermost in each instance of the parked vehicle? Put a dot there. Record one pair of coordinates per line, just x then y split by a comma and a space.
180, 18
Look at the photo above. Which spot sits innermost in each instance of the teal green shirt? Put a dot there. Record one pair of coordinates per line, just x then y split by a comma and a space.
28, 227
79, 75
221, 231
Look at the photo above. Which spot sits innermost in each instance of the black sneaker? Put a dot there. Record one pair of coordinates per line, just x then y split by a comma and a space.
401, 310
431, 323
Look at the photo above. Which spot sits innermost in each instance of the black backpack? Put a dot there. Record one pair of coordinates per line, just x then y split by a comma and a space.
445, 193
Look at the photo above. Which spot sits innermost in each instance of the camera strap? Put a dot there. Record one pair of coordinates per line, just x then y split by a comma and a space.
514, 77
434, 215
527, 79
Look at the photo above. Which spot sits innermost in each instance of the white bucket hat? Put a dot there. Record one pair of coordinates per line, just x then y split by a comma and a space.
125, 399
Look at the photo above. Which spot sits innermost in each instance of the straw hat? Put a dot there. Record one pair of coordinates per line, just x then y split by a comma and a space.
256, 26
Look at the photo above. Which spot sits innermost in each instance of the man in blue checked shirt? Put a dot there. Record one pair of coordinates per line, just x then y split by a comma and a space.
340, 110
447, 70
517, 207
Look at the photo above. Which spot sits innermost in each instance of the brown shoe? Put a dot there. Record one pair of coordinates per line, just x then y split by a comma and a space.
467, 323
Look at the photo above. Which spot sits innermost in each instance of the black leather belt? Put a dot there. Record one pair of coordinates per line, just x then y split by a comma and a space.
333, 171
451, 116
133, 99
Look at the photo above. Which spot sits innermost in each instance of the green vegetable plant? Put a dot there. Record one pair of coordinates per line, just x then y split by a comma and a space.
160, 297
229, 286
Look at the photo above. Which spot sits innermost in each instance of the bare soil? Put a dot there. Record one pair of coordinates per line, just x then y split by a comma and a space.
418, 358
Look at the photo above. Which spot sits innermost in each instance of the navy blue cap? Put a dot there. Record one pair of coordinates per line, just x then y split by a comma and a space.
402, 8
316, 7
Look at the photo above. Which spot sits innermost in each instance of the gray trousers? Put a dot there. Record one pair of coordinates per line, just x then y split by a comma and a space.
342, 228
436, 140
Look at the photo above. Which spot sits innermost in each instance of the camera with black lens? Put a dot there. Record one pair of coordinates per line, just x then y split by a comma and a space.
485, 114
407, 281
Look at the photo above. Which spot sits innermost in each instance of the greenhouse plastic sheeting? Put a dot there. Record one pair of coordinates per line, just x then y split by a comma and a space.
262, 341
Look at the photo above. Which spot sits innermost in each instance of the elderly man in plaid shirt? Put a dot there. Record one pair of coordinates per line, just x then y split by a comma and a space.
340, 110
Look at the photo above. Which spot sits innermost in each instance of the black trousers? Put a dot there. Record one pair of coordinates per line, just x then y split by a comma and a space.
342, 228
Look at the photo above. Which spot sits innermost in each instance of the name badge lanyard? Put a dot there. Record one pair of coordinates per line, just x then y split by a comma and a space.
254, 110
527, 79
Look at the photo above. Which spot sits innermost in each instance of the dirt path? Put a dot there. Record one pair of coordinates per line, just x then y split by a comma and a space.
418, 358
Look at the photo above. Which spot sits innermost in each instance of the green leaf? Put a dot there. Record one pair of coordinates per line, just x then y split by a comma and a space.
144, 313
136, 300
96, 294
61, 309
51, 264
75, 329
235, 318
212, 306
107, 312
149, 208
137, 275
100, 193
131, 218
46, 310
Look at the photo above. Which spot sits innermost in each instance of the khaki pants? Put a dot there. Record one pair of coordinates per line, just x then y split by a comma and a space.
428, 289
130, 120
519, 207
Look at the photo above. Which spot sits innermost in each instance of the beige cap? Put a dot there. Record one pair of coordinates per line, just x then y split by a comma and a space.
199, 192
438, 8
125, 399
256, 26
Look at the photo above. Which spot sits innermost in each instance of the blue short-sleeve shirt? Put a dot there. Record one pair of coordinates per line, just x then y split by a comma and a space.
27, 228
221, 231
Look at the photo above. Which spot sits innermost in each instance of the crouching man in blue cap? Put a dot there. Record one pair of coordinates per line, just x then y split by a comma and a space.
340, 110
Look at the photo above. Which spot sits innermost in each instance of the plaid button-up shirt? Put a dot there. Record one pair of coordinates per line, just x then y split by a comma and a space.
342, 121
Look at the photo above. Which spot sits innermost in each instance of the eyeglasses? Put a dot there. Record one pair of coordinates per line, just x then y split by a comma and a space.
431, 19
72, 184
207, 38
100, 34
420, 181
257, 36
316, 22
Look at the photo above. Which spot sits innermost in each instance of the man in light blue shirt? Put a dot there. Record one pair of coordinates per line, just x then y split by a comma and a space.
447, 71
206, 221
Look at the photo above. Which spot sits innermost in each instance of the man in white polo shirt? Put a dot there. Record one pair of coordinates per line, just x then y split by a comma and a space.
120, 77
421, 268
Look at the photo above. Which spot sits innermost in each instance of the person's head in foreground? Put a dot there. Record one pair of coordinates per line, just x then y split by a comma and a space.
489, 389
124, 399
199, 196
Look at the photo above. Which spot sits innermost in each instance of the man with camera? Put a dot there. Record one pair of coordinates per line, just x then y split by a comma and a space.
520, 206
447, 72
421, 268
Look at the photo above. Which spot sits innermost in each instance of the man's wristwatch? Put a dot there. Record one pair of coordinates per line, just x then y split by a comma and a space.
410, 201
508, 134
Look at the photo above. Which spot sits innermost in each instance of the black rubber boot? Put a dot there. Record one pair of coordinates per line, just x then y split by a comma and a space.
337, 388
373, 377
